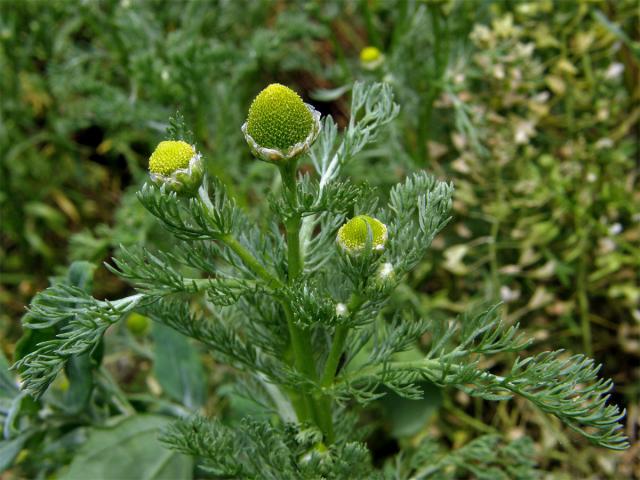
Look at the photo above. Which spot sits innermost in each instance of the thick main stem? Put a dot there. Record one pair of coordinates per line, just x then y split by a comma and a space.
301, 405
337, 348
319, 410
304, 410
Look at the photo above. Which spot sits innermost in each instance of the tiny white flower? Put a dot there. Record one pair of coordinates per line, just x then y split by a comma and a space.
341, 310
385, 271
615, 229
614, 71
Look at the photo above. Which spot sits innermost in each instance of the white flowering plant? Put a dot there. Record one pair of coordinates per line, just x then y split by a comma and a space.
301, 310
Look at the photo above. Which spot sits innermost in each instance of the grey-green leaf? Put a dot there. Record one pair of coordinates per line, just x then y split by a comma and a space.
8, 387
129, 450
9, 450
178, 367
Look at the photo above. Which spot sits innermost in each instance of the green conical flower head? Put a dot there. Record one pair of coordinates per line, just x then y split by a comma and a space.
370, 54
170, 156
352, 236
177, 166
278, 118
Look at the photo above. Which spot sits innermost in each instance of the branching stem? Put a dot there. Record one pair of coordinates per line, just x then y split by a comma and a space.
319, 409
251, 261
337, 346
426, 365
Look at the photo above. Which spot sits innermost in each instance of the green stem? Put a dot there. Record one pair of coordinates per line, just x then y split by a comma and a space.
372, 33
293, 223
303, 361
319, 411
337, 347
462, 416
304, 410
432, 365
300, 404
293, 247
251, 261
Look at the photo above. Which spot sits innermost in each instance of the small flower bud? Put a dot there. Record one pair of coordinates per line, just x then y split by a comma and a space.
353, 235
385, 274
371, 58
177, 165
138, 324
280, 125
384, 279
341, 310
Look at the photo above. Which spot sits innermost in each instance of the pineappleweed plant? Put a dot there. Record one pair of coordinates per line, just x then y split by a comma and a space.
298, 306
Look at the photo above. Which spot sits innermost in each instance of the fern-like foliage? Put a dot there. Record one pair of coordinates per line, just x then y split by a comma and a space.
259, 450
372, 108
485, 458
565, 386
418, 209
85, 321
306, 325
251, 353
212, 218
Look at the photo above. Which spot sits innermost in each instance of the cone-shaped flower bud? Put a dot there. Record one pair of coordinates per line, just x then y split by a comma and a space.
354, 235
177, 165
371, 58
280, 125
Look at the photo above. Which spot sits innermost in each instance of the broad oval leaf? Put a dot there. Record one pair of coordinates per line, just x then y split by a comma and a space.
178, 367
129, 450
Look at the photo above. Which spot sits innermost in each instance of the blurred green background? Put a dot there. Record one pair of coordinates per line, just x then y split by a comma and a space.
532, 109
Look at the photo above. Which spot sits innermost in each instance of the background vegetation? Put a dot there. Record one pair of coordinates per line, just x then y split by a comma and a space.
531, 109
